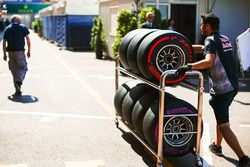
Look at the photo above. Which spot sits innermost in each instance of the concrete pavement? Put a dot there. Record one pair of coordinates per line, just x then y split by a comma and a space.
66, 121
65, 117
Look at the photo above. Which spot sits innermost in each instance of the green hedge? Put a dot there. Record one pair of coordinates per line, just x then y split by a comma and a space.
126, 22
37, 26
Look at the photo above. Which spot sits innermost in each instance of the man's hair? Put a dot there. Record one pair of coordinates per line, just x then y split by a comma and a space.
212, 19
16, 19
149, 13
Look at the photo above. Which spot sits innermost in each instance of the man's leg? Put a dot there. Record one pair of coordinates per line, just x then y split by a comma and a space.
231, 139
18, 85
219, 137
215, 147
14, 71
19, 68
220, 104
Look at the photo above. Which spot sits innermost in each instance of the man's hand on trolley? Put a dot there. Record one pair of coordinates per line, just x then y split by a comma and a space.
183, 69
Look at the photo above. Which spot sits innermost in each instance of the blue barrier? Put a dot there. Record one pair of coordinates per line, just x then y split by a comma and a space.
70, 31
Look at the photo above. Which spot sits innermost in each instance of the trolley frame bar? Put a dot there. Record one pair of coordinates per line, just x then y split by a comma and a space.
162, 90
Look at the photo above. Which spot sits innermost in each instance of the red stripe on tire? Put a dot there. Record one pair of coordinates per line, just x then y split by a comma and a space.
153, 47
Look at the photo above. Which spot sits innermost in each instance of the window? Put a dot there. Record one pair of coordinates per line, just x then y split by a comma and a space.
164, 1
150, 1
164, 9
151, 5
183, 1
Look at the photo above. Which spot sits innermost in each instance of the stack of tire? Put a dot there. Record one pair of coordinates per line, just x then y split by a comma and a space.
137, 104
150, 52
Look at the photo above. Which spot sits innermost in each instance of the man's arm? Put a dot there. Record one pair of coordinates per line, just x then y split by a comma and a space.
4, 50
202, 64
28, 44
210, 50
205, 63
198, 49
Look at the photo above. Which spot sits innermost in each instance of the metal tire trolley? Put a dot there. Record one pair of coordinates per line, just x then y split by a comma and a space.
162, 88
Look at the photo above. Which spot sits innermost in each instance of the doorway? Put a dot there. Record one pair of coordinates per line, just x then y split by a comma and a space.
185, 19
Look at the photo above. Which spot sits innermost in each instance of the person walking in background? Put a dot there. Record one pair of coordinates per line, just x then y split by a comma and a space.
171, 24
224, 83
14, 43
150, 21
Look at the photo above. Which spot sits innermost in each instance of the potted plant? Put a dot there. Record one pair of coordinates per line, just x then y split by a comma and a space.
98, 40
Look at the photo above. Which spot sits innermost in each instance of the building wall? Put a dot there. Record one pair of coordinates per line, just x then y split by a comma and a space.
201, 8
72, 7
108, 11
234, 16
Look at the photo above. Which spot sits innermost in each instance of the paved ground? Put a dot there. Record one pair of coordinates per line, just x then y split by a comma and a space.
65, 116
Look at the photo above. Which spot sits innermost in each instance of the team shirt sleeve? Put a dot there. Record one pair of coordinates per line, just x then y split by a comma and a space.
26, 31
210, 46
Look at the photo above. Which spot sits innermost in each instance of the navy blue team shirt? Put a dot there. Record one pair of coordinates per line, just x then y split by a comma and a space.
15, 34
223, 74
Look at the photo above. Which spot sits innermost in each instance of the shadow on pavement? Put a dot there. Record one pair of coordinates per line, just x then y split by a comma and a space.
190, 158
229, 159
244, 86
23, 99
150, 160
243, 103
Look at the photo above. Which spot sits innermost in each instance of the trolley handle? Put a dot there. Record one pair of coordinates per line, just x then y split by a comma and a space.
161, 112
188, 73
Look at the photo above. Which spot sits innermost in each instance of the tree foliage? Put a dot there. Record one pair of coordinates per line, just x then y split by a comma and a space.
126, 22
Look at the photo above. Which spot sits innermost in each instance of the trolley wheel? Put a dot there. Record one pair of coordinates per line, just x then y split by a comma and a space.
199, 162
161, 165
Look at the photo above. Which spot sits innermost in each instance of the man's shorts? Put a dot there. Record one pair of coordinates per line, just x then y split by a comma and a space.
220, 104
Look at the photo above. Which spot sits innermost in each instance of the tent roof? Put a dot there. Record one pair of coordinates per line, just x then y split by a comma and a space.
82, 7
72, 7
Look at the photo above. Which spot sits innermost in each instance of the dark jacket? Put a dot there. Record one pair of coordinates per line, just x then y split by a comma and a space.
149, 25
